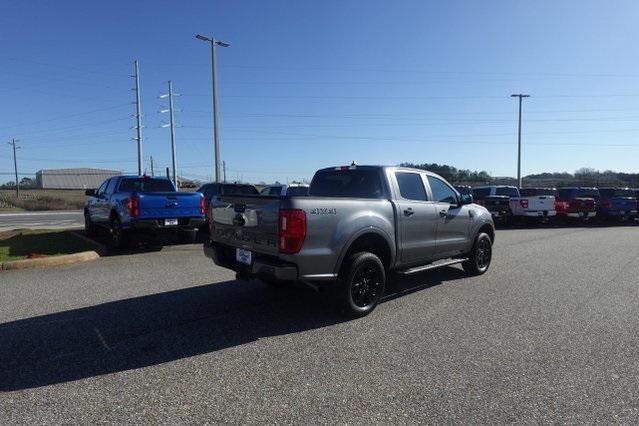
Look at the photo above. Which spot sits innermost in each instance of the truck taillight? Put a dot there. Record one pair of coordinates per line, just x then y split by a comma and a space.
202, 205
133, 206
561, 206
292, 231
524, 204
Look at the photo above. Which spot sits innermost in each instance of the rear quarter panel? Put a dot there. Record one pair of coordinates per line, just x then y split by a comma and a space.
333, 224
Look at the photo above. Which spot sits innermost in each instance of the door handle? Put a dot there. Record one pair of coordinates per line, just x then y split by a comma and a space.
408, 212
443, 213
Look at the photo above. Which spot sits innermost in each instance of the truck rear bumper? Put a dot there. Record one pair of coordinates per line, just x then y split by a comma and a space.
581, 215
159, 224
539, 213
260, 268
618, 213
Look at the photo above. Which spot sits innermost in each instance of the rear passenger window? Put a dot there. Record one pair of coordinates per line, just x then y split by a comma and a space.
276, 190
411, 186
442, 193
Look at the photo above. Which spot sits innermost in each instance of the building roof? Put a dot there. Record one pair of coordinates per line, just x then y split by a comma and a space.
80, 170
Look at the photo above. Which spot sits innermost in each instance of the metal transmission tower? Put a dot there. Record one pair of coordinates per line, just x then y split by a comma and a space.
216, 113
15, 165
171, 124
138, 117
520, 96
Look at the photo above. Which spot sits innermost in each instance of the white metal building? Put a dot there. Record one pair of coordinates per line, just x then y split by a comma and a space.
73, 178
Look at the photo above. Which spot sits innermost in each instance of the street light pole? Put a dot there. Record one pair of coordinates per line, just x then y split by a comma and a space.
216, 113
15, 166
138, 117
520, 96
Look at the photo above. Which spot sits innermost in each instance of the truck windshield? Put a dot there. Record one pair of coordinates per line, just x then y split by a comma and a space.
507, 191
356, 183
587, 193
239, 190
480, 193
612, 192
297, 191
146, 185
533, 192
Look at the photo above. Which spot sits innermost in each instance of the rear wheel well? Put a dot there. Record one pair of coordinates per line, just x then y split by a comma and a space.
488, 230
371, 243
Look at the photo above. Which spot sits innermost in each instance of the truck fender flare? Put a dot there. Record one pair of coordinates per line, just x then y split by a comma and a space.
369, 230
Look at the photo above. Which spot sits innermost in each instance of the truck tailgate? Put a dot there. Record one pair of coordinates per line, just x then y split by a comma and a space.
541, 203
248, 222
154, 205
623, 203
497, 203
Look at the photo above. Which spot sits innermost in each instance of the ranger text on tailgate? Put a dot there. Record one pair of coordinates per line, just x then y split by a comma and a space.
358, 224
132, 204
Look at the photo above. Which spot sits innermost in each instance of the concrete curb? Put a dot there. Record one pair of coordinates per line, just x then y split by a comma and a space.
46, 262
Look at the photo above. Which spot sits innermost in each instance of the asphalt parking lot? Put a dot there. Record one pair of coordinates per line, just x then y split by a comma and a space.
549, 334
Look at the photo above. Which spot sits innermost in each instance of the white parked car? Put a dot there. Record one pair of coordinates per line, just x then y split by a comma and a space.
290, 190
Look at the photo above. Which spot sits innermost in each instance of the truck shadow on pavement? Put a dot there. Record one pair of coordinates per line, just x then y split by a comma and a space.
158, 328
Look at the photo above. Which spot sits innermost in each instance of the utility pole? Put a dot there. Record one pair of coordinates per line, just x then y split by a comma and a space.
172, 126
138, 116
15, 165
216, 112
224, 168
520, 96
152, 168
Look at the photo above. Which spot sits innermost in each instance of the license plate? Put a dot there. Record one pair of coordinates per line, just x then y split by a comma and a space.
623, 213
170, 222
243, 256
540, 213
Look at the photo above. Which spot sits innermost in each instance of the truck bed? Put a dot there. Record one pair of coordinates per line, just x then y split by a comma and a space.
251, 223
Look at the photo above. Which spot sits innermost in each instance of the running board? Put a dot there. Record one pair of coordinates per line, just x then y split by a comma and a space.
432, 266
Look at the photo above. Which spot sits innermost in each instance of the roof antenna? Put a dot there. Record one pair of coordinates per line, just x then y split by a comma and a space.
353, 164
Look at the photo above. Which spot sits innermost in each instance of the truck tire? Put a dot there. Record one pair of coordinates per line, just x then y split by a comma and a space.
360, 284
187, 237
480, 256
89, 226
119, 237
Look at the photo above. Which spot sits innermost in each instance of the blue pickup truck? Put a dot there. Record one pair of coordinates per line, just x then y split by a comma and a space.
134, 204
616, 203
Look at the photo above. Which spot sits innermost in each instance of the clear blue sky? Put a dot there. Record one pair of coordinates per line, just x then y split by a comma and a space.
310, 84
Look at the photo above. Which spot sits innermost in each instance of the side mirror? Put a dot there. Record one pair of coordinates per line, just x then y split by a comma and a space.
466, 199
90, 192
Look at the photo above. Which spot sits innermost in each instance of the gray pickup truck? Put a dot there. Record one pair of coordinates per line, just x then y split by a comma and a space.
358, 224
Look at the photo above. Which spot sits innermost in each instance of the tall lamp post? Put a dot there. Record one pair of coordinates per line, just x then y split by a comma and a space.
520, 96
216, 113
